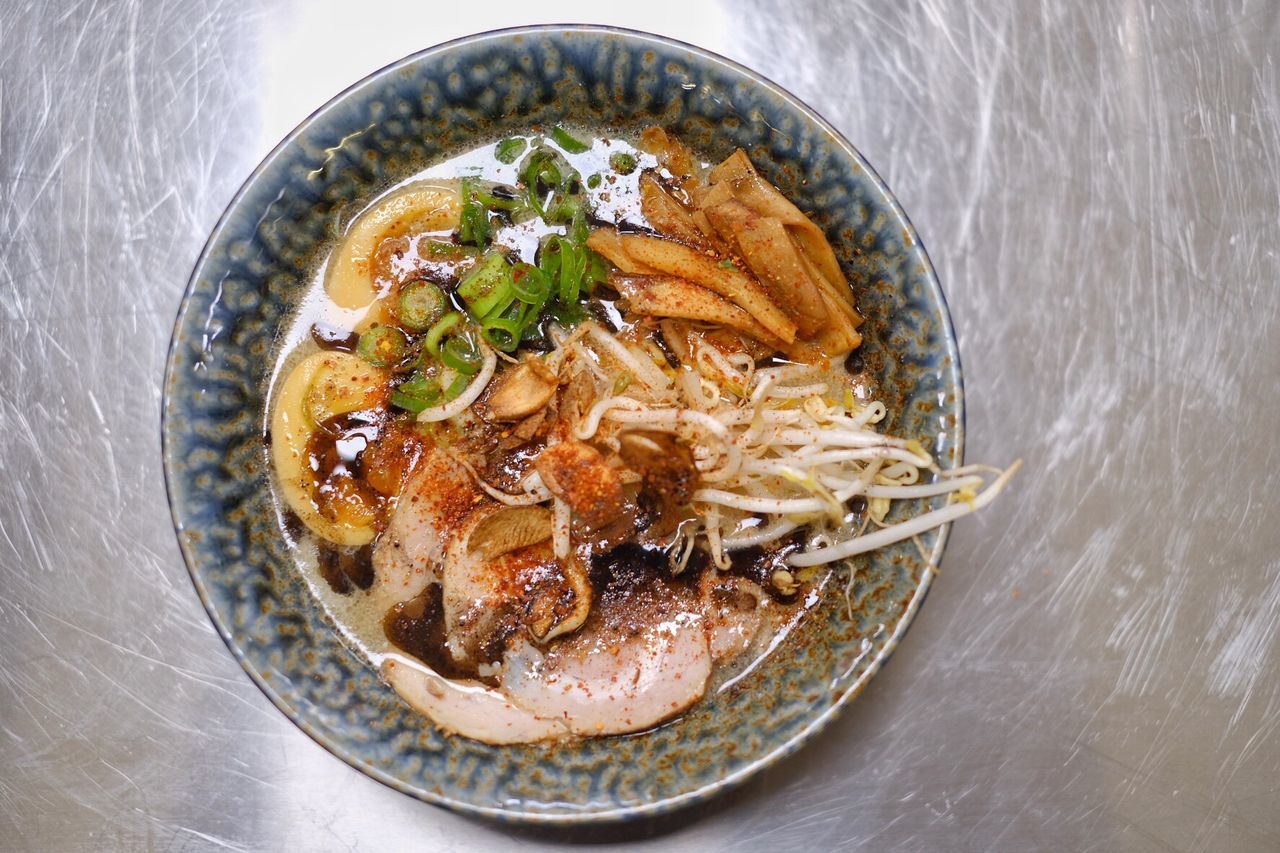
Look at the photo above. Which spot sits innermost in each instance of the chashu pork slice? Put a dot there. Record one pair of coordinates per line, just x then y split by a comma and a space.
642, 660
435, 502
465, 708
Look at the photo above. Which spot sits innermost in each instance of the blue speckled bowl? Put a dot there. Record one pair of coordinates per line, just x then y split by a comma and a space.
254, 268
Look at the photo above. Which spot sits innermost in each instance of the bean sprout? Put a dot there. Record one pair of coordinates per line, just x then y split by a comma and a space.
776, 450
560, 521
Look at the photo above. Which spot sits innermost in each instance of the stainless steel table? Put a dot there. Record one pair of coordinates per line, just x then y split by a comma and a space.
1098, 666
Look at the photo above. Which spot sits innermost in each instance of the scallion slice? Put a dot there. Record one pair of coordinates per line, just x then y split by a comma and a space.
509, 150
382, 346
438, 331
420, 305
568, 142
459, 354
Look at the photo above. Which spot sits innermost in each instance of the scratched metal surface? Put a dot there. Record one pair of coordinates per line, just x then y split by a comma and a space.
1098, 667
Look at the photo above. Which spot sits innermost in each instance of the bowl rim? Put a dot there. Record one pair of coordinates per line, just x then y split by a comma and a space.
620, 813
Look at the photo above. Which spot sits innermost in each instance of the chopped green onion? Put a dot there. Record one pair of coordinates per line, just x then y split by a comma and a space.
567, 142
436, 332
441, 249
622, 162
549, 258
597, 271
382, 346
509, 150
502, 333
728, 264
572, 265
593, 181
528, 283
566, 315
457, 386
620, 384
459, 354
420, 305
416, 393
579, 230
493, 201
487, 285
565, 209
541, 169
473, 221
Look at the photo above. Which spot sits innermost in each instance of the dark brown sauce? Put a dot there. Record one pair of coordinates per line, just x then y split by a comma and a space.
758, 564
335, 451
416, 627
329, 337
344, 569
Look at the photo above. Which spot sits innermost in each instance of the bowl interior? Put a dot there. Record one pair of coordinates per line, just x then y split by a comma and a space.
258, 262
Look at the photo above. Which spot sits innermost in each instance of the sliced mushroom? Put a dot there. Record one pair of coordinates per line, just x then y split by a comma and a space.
509, 529
521, 391
488, 599
578, 474
554, 616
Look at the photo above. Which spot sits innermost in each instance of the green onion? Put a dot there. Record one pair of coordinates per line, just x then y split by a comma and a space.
566, 315
459, 354
572, 265
436, 332
492, 201
597, 271
487, 286
579, 230
620, 384
567, 142
473, 221
382, 346
528, 283
502, 333
541, 169
545, 170
457, 386
416, 394
549, 258
509, 150
420, 305
622, 162
593, 181
441, 249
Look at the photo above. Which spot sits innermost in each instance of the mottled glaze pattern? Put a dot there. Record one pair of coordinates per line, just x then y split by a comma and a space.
255, 268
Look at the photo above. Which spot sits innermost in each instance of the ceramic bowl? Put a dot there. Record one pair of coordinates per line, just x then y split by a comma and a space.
253, 270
